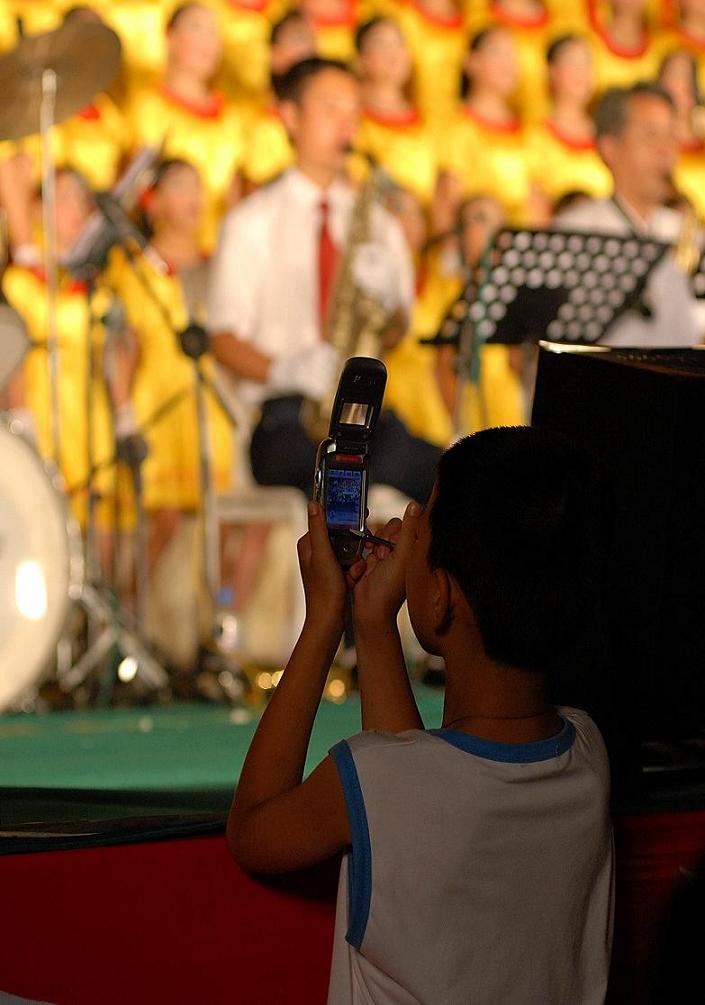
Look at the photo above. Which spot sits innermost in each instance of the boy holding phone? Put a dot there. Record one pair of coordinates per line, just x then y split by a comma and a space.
479, 856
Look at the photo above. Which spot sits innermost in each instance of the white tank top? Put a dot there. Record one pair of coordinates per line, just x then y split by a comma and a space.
480, 872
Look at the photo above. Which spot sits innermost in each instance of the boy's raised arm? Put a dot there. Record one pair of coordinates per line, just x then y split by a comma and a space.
386, 698
277, 822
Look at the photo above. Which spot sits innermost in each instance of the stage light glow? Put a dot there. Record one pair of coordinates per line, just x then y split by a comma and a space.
264, 680
127, 670
276, 677
336, 690
30, 590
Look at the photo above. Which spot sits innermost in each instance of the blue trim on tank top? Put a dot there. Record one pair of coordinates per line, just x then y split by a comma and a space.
360, 860
511, 753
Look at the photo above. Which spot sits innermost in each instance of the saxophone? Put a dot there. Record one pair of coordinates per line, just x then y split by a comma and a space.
356, 322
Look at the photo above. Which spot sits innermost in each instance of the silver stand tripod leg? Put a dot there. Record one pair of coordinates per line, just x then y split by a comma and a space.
46, 123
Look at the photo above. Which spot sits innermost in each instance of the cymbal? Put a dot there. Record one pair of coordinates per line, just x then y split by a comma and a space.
85, 56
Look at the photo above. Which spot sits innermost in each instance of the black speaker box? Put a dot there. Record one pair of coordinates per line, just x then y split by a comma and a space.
643, 413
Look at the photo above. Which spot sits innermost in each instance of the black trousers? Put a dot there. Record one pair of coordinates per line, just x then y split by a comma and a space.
282, 454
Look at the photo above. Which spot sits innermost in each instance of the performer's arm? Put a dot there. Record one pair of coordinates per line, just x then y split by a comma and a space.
241, 358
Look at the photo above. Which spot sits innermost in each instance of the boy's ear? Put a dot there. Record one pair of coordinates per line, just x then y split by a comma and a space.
442, 601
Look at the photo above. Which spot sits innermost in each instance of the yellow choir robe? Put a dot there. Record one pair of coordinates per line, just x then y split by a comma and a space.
689, 176
171, 470
335, 35
404, 147
412, 386
437, 47
618, 67
8, 27
560, 165
489, 160
38, 16
94, 142
141, 27
25, 290
268, 151
212, 139
499, 386
246, 28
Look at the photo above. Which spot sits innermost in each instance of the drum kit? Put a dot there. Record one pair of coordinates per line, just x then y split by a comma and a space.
45, 562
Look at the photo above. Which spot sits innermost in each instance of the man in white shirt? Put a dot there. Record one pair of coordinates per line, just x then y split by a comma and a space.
270, 287
637, 139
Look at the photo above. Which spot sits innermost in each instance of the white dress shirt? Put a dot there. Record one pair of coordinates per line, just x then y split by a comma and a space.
677, 318
264, 277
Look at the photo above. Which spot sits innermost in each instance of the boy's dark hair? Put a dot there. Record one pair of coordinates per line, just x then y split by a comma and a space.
516, 521
292, 84
612, 110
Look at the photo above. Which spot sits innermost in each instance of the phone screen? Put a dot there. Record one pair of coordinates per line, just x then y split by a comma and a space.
343, 497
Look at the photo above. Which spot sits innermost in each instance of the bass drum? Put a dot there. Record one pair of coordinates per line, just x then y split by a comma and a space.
40, 565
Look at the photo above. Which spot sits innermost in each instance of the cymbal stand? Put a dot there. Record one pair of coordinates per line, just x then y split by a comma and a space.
47, 111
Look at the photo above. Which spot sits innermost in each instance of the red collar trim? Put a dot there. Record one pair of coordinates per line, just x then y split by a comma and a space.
402, 121
618, 50
347, 19
451, 22
568, 141
91, 113
692, 40
213, 110
515, 20
513, 126
693, 147
65, 285
258, 7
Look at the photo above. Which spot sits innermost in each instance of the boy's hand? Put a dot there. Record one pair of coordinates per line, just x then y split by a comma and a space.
325, 584
380, 584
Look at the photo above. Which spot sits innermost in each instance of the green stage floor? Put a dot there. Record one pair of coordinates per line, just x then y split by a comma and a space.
170, 759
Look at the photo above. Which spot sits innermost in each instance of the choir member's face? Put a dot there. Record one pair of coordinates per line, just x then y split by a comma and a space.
678, 78
296, 41
73, 207
635, 8
493, 66
178, 199
385, 56
643, 156
571, 74
324, 121
195, 44
480, 218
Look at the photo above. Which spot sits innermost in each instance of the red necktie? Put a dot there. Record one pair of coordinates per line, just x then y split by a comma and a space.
327, 259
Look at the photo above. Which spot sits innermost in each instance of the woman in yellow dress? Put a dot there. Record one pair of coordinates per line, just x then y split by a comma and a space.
562, 148
392, 130
483, 151
437, 38
683, 23
77, 320
162, 291
268, 150
625, 49
246, 26
679, 76
191, 120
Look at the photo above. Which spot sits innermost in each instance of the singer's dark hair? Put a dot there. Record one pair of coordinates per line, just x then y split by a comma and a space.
68, 171
476, 43
612, 110
693, 68
558, 44
517, 521
293, 83
291, 17
176, 14
365, 29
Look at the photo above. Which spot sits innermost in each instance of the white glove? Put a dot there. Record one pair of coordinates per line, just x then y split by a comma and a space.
22, 422
310, 372
375, 273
